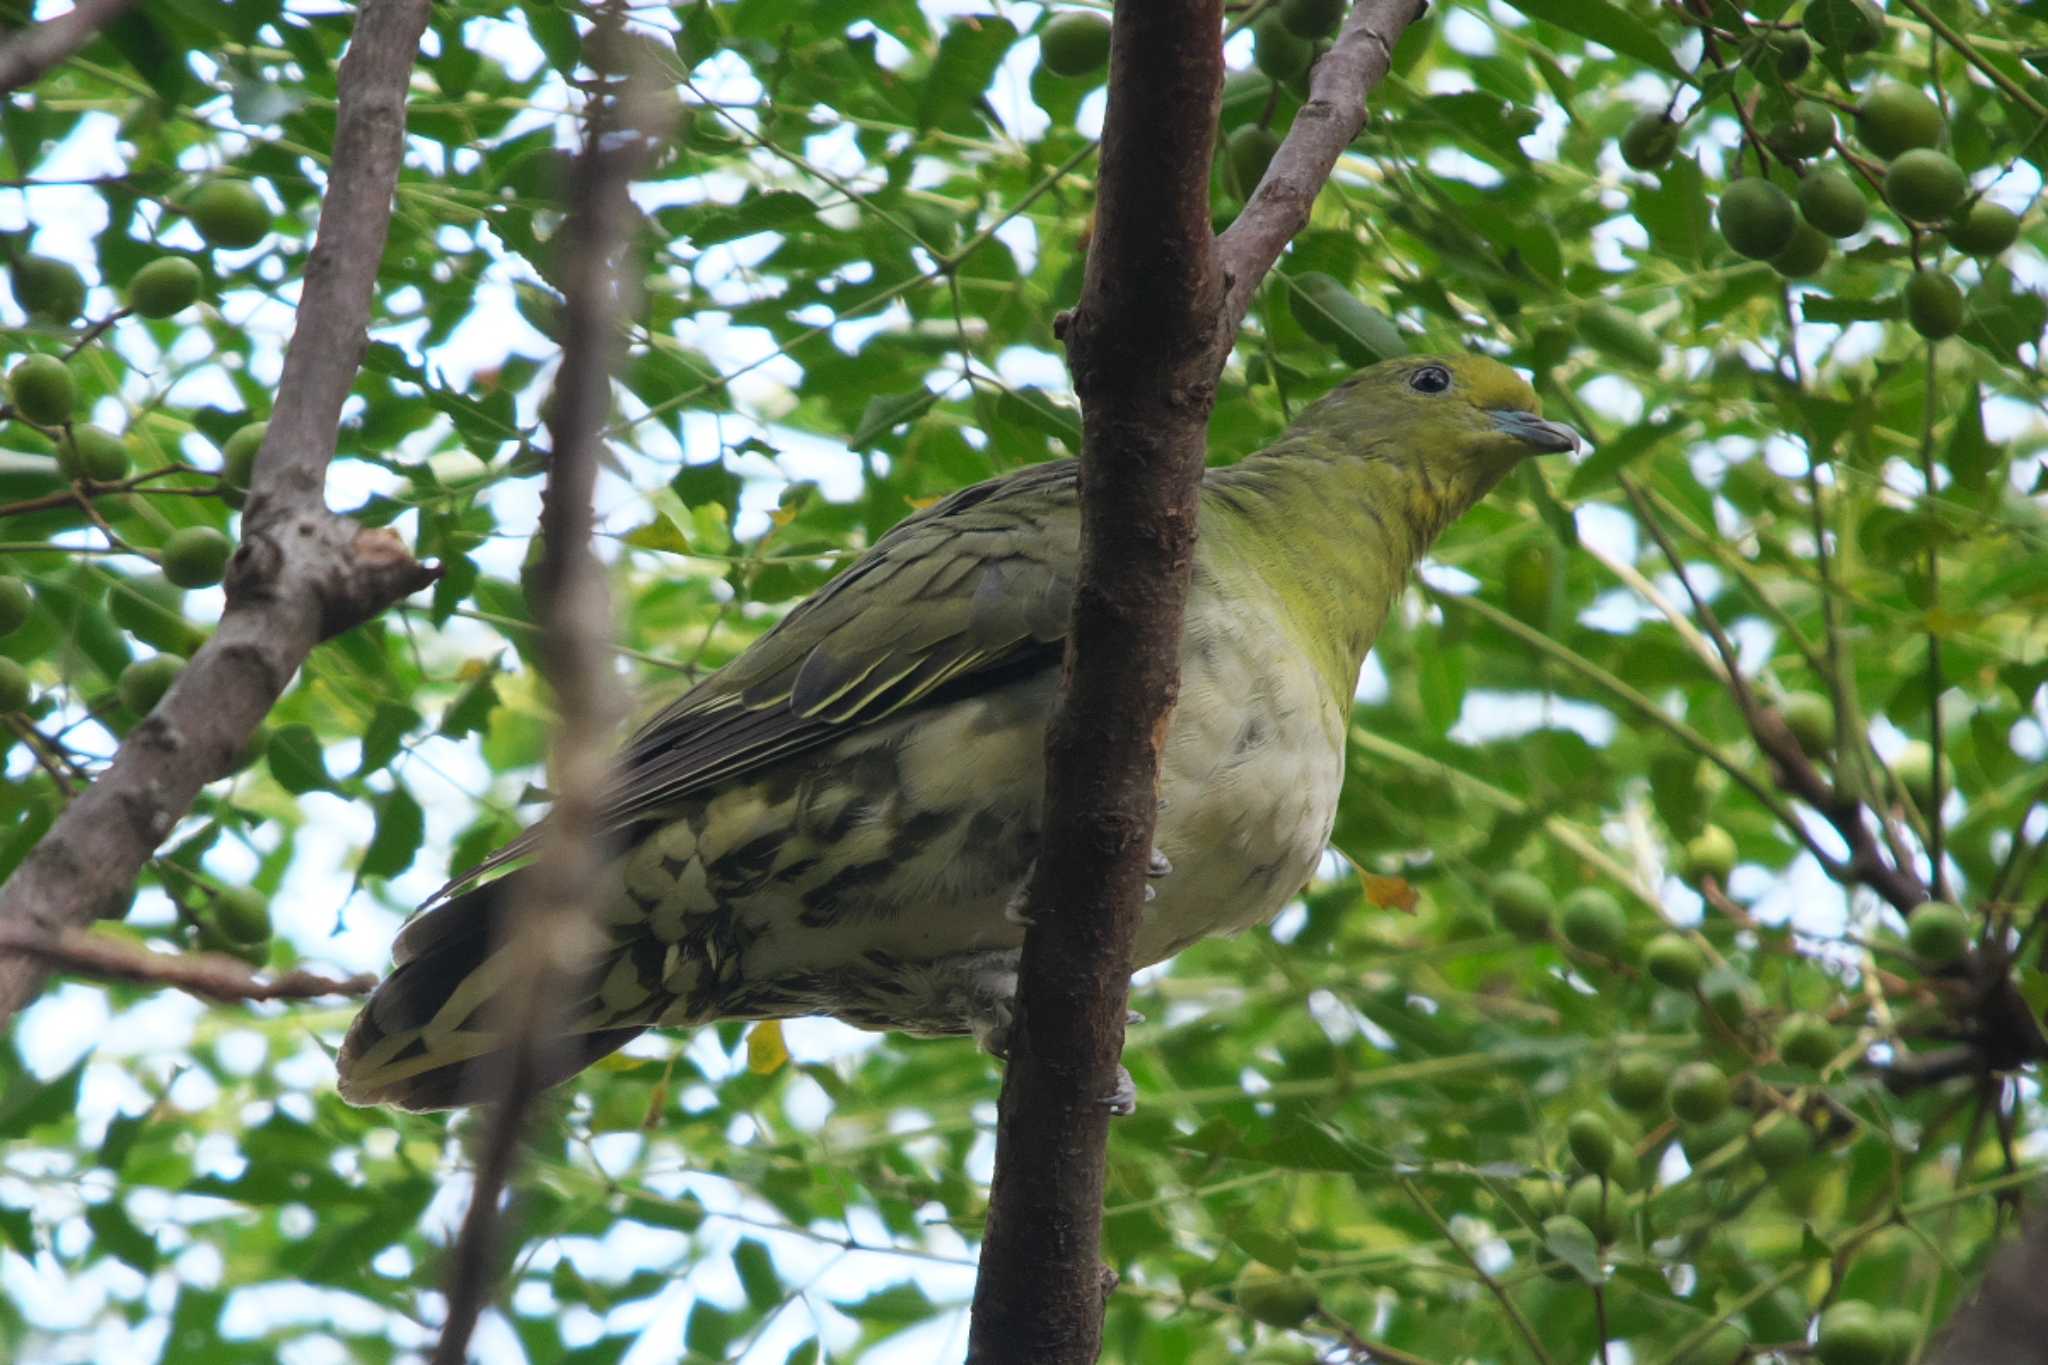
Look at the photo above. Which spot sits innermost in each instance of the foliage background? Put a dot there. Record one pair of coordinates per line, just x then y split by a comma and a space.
853, 258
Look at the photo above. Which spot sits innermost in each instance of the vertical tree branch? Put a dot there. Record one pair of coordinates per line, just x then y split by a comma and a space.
551, 928
302, 574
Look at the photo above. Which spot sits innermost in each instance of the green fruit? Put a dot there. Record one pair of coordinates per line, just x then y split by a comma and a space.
1593, 922
1984, 229
1278, 51
1915, 763
1621, 336
143, 683
1811, 719
15, 604
1903, 1327
1783, 1141
1934, 307
1729, 996
14, 688
1698, 1092
1756, 217
228, 213
1804, 256
1806, 1040
47, 289
1332, 314
236, 920
1925, 185
1701, 1140
1591, 1141
1794, 53
1808, 132
1074, 43
167, 285
1895, 118
1521, 904
42, 390
94, 453
1725, 1345
1831, 200
1276, 1299
1710, 853
1939, 933
196, 557
1673, 960
1250, 150
1637, 1081
1851, 1334
1650, 141
238, 461
1853, 28
1599, 1209
1542, 1196
1312, 18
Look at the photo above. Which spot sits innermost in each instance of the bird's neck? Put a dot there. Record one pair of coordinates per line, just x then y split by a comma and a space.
1337, 537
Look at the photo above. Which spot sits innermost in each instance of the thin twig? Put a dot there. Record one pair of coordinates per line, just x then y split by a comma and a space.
1493, 1286
215, 976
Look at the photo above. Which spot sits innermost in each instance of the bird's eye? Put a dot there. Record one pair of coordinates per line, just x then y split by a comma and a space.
1430, 379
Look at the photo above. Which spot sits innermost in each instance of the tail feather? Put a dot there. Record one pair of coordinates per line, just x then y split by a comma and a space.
429, 1037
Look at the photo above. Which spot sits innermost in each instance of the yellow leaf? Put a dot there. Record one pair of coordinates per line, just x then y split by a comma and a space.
766, 1052
921, 503
1390, 893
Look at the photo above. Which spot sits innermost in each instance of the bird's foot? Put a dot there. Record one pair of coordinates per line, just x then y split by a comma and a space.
1015, 909
1122, 1101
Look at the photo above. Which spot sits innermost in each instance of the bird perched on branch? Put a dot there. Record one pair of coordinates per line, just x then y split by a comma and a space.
840, 820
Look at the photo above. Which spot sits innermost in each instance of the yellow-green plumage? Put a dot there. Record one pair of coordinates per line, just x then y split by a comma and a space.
838, 821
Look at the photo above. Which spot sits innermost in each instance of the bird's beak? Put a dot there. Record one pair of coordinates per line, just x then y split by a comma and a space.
1527, 427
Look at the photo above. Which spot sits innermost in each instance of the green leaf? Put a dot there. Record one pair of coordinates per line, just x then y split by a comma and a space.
297, 760
1609, 26
115, 1233
401, 825
973, 47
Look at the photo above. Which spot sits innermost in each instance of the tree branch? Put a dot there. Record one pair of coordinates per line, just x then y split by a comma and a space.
39, 47
550, 927
213, 975
301, 575
1159, 311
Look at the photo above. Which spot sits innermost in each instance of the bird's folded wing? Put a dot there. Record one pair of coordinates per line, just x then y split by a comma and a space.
967, 590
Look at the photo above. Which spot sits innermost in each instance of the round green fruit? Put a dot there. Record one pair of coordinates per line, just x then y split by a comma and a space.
42, 390
1274, 1298
1278, 51
1698, 1092
1806, 1040
1598, 1205
1728, 994
238, 461
228, 213
1710, 853
1795, 54
1673, 960
94, 453
1727, 1344
1783, 1141
1250, 150
1934, 305
1939, 933
1621, 336
1542, 1196
242, 913
1808, 132
1925, 185
1915, 763
14, 688
1903, 1326
1811, 719
1591, 1141
1831, 201
1637, 1081
1853, 28
15, 604
1312, 18
143, 683
1756, 218
47, 289
1593, 922
1521, 904
167, 285
1851, 1334
1650, 141
1074, 43
1895, 118
1984, 229
1701, 1140
1805, 254
196, 557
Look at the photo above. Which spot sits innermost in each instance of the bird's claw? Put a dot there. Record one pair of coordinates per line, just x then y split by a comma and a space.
1157, 866
1123, 1100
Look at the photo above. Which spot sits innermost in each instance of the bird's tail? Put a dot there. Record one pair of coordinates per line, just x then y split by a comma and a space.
432, 1034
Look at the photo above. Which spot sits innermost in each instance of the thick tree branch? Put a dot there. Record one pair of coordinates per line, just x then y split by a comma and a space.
302, 574
2007, 1322
39, 47
1278, 209
551, 925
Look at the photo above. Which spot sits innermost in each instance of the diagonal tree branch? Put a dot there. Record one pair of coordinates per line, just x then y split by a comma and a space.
39, 47
301, 575
1159, 312
103, 957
